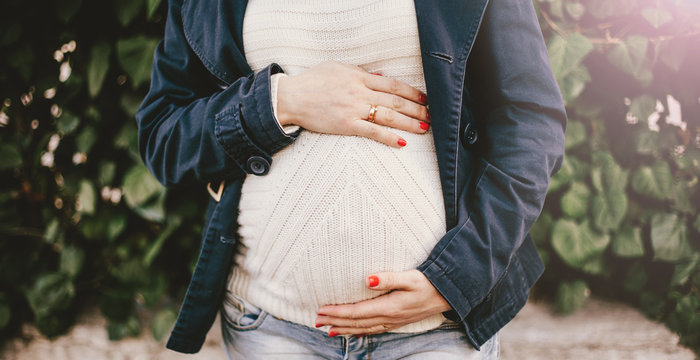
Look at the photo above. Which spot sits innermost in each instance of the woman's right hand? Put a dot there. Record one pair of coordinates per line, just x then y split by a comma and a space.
336, 98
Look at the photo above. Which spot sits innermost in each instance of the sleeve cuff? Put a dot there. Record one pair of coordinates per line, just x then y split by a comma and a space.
260, 122
274, 84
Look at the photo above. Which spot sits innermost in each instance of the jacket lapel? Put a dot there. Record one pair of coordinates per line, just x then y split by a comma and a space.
447, 30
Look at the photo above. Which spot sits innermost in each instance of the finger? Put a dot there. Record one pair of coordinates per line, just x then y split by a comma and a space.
401, 105
395, 87
387, 281
384, 305
378, 329
375, 132
353, 323
396, 120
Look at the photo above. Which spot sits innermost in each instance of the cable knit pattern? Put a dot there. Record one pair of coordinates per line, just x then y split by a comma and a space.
335, 209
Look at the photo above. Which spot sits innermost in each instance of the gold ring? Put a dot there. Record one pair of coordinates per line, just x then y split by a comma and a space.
372, 113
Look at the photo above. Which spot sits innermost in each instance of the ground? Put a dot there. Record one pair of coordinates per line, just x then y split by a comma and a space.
600, 330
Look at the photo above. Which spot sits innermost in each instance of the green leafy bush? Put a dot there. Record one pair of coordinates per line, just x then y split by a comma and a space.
622, 218
82, 221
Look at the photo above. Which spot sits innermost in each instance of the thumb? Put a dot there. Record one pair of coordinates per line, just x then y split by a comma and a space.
386, 281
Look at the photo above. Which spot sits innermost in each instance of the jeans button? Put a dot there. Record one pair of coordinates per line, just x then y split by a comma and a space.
258, 165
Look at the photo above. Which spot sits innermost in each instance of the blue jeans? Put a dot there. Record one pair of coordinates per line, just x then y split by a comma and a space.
251, 333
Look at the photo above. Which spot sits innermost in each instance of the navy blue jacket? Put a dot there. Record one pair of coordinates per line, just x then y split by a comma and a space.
498, 125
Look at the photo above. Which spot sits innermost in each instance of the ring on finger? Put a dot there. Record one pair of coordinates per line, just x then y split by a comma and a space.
372, 113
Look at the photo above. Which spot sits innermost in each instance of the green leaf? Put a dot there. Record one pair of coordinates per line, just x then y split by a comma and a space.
602, 9
540, 230
71, 261
609, 209
153, 210
669, 238
139, 186
153, 251
87, 198
53, 231
130, 103
106, 172
10, 157
136, 58
642, 107
628, 242
684, 269
574, 203
163, 321
653, 181
127, 10
610, 177
656, 16
571, 296
67, 123
97, 67
120, 330
647, 141
630, 56
115, 226
575, 134
151, 7
572, 168
50, 293
86, 139
696, 224
565, 55
577, 244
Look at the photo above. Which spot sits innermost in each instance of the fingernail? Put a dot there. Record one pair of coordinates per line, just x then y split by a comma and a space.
424, 125
373, 280
359, 336
402, 142
428, 115
318, 325
332, 334
378, 74
423, 98
319, 314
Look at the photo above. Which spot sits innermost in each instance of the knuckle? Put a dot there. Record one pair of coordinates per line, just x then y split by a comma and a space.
395, 86
397, 102
389, 117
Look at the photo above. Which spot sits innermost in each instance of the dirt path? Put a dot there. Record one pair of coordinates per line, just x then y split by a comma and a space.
599, 331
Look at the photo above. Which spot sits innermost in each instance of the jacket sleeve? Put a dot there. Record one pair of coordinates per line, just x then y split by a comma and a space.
521, 121
189, 129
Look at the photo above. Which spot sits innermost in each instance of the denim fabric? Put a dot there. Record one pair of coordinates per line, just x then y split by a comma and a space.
251, 333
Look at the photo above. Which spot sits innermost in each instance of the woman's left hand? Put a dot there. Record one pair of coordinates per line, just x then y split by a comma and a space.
411, 298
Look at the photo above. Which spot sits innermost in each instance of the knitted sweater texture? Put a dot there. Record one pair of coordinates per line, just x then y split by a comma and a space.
334, 209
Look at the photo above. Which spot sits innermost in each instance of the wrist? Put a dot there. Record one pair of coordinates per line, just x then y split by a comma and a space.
283, 106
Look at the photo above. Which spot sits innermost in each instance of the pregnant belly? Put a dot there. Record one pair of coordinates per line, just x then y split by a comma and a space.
334, 209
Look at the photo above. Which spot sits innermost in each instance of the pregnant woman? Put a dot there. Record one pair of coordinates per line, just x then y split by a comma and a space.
349, 218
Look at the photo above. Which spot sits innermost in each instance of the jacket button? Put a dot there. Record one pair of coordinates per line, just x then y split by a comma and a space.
470, 135
258, 165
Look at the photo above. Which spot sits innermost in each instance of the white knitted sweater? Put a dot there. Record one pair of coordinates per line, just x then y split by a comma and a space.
334, 209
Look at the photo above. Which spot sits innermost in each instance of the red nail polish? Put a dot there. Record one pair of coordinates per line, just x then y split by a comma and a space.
428, 115
378, 74
373, 280
332, 334
423, 98
402, 142
424, 125
318, 325
319, 314
359, 336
